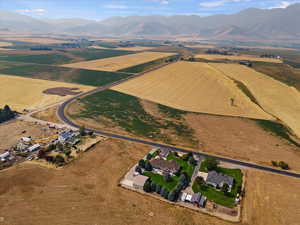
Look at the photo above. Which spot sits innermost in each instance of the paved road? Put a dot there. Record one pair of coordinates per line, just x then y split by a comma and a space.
63, 118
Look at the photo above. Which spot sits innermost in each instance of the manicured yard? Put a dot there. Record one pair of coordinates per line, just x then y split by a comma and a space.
159, 179
218, 196
186, 167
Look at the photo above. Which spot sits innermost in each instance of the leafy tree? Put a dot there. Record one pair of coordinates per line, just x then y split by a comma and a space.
172, 196
6, 114
225, 188
149, 156
148, 166
147, 186
142, 163
283, 165
153, 187
82, 131
138, 169
274, 163
167, 177
186, 157
211, 163
59, 160
158, 188
166, 194
192, 161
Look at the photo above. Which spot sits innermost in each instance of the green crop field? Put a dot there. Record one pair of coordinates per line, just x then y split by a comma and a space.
56, 73
51, 59
127, 112
91, 54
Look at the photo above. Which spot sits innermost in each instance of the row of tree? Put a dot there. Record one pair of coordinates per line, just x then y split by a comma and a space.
151, 186
6, 114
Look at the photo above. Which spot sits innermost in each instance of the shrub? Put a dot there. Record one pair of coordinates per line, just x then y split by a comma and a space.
147, 186
211, 163
167, 177
274, 163
283, 165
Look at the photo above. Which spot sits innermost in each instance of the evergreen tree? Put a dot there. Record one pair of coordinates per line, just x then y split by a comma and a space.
148, 166
147, 186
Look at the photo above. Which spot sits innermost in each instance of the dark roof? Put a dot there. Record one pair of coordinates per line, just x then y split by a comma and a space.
202, 200
219, 178
196, 197
167, 165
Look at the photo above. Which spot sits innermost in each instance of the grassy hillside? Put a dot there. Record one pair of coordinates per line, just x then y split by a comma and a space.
127, 112
55, 73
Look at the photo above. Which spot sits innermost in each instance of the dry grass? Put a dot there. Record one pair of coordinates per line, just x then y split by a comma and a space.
195, 87
237, 57
36, 40
271, 199
200, 46
135, 48
11, 132
119, 62
48, 114
273, 96
242, 139
26, 93
87, 192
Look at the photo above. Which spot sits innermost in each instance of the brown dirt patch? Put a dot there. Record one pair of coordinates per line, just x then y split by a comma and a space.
48, 115
62, 91
242, 139
271, 199
11, 132
87, 192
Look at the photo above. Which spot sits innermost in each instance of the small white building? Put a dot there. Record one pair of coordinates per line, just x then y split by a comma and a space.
26, 139
4, 156
34, 148
139, 181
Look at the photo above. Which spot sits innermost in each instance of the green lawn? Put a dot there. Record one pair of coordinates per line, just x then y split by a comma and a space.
159, 179
217, 196
186, 167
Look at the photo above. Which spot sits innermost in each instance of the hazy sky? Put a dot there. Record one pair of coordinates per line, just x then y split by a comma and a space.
101, 9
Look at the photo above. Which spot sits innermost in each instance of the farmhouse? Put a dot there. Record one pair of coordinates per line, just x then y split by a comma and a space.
218, 180
165, 166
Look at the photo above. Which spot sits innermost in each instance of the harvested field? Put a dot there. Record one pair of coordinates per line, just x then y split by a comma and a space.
96, 198
25, 93
237, 58
271, 199
242, 139
12, 131
48, 114
273, 96
62, 91
36, 40
119, 62
135, 48
194, 87
200, 46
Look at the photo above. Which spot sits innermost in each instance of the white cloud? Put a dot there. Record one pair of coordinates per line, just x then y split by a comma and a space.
39, 12
281, 5
113, 6
212, 4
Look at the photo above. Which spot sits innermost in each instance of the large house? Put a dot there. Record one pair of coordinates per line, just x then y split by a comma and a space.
218, 180
165, 166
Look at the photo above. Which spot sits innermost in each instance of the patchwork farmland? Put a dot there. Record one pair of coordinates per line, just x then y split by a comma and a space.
26, 93
194, 87
237, 58
273, 96
119, 62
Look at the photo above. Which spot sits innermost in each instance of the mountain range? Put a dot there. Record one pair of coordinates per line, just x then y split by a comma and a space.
252, 23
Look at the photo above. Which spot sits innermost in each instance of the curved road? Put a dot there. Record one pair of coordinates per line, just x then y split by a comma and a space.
62, 116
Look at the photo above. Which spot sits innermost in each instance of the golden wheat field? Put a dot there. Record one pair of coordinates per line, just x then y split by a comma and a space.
237, 57
26, 93
274, 97
119, 62
195, 87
